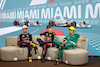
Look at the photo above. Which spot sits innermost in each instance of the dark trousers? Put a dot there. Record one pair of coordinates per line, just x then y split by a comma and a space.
44, 45
25, 44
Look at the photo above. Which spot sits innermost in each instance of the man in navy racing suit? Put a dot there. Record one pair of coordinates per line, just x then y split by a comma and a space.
49, 37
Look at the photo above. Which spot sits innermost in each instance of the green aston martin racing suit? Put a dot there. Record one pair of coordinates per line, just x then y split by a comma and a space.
70, 44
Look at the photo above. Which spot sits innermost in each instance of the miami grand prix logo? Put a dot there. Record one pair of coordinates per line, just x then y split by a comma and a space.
2, 3
38, 2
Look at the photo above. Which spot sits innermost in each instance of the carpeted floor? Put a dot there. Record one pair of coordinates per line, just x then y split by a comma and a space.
93, 62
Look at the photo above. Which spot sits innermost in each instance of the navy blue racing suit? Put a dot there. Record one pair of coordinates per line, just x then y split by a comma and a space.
21, 43
49, 37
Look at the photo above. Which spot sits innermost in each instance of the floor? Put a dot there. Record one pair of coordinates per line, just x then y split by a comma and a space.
93, 62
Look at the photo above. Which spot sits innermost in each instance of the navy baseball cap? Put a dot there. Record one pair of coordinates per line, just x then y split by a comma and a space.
49, 26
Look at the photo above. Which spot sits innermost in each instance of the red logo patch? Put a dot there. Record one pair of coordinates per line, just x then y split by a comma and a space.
51, 1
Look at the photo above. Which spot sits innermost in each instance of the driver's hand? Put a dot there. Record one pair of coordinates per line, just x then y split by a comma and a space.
64, 42
50, 44
27, 41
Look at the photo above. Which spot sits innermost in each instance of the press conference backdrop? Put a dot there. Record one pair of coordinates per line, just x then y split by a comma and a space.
42, 10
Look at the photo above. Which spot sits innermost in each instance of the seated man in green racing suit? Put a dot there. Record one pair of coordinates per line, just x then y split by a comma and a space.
68, 43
